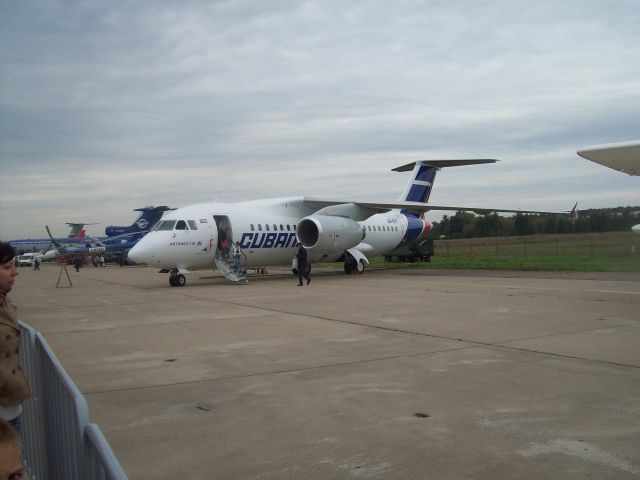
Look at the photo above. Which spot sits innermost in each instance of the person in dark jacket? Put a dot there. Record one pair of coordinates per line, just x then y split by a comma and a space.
303, 266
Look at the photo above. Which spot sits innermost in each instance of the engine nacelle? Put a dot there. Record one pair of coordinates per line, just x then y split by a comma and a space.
329, 233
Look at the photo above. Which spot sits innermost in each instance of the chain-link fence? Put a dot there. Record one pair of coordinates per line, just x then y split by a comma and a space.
613, 249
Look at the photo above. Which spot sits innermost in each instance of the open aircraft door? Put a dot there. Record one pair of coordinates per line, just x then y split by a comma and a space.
223, 235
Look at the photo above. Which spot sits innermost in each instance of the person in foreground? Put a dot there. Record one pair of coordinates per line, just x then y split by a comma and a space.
13, 384
11, 467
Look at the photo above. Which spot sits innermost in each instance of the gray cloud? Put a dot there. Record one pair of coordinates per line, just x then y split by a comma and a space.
109, 106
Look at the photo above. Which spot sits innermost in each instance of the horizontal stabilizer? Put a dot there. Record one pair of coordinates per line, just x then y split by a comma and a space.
443, 163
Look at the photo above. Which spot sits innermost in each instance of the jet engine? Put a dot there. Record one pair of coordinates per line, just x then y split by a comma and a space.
329, 233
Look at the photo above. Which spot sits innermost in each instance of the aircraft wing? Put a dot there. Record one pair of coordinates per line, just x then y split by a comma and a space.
624, 156
360, 210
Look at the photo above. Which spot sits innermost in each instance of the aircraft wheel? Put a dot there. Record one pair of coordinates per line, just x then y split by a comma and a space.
181, 280
348, 268
172, 281
360, 267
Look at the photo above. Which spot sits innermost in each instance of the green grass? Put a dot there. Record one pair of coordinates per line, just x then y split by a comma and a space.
588, 252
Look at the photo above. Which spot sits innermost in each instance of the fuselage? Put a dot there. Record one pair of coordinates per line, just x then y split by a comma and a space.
188, 237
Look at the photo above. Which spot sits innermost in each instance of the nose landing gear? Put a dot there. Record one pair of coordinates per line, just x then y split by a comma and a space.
177, 279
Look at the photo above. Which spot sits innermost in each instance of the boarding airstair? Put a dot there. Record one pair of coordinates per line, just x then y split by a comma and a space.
227, 268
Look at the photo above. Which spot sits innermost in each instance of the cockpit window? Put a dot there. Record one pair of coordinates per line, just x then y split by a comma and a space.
181, 225
192, 224
165, 225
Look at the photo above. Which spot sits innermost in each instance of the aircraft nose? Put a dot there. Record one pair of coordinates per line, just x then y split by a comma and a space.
140, 253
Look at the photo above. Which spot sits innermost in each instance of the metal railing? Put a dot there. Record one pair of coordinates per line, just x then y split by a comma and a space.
59, 442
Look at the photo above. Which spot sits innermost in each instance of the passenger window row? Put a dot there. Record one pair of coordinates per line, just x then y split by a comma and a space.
191, 225
384, 228
267, 227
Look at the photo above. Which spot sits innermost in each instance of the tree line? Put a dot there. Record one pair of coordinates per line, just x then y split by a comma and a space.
468, 225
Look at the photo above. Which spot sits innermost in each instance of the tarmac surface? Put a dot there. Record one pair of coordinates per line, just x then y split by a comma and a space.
396, 374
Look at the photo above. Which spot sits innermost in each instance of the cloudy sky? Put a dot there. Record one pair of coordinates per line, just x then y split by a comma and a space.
107, 106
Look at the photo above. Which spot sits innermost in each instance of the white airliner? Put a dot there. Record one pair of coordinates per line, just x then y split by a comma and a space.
193, 237
623, 156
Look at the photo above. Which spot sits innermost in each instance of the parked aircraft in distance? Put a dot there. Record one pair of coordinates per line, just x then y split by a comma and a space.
119, 239
623, 156
194, 237
147, 218
76, 235
88, 247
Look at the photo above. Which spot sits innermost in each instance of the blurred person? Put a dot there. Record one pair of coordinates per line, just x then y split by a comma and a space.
13, 384
11, 467
236, 251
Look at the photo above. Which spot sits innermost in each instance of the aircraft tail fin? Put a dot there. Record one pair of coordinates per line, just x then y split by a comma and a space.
418, 189
573, 214
148, 217
77, 230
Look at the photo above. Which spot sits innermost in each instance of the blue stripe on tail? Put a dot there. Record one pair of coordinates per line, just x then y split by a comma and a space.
420, 188
421, 184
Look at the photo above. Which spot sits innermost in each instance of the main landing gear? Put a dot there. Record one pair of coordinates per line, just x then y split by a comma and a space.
177, 279
353, 266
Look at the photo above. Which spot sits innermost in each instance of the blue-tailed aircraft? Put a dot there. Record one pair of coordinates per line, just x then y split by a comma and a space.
193, 237
118, 241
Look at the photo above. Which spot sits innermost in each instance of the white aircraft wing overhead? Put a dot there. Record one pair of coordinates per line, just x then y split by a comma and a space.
624, 156
361, 210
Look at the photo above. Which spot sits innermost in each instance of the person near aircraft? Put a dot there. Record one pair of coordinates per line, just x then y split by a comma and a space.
77, 263
223, 242
236, 251
11, 466
303, 268
36, 264
13, 384
228, 242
